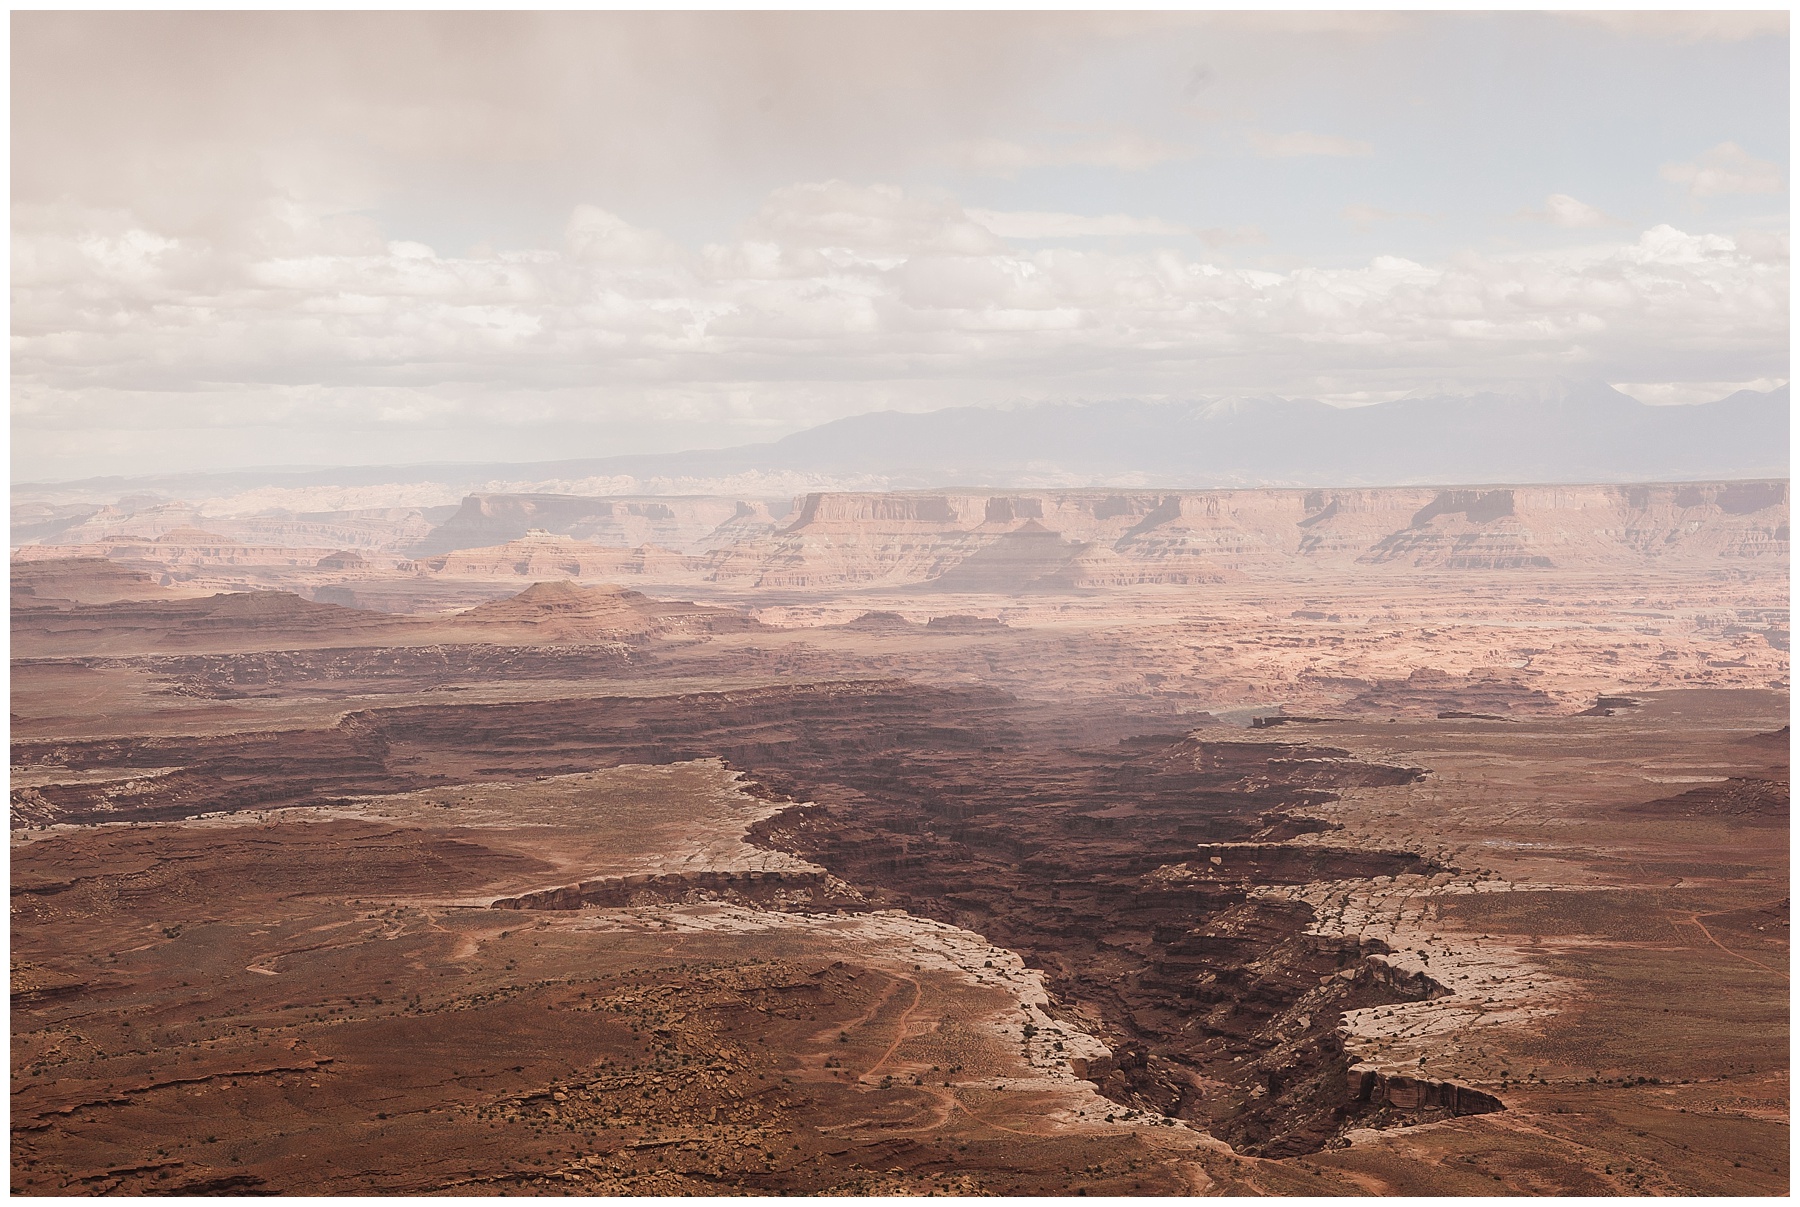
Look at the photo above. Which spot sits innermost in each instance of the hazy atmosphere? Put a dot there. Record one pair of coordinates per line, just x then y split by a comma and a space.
907, 604
357, 238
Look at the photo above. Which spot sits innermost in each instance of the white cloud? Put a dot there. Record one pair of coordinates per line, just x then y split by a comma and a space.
1562, 210
833, 299
1299, 142
876, 220
1725, 170
1762, 244
593, 235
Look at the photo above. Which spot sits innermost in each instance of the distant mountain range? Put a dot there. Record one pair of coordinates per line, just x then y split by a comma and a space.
1574, 434
1571, 432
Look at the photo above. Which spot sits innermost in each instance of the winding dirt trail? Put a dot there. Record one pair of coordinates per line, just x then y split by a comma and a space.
1000, 1127
866, 1017
899, 1026
1695, 919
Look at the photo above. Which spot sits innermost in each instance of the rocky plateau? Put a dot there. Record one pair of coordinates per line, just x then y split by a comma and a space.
1316, 842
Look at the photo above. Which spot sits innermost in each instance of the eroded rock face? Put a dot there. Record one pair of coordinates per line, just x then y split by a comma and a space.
1418, 1093
268, 672
270, 618
566, 611
1047, 540
1126, 874
811, 889
1268, 939
1129, 877
1018, 541
78, 580
404, 749
1741, 800
545, 556
1430, 691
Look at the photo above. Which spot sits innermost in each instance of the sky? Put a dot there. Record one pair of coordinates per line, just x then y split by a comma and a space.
245, 239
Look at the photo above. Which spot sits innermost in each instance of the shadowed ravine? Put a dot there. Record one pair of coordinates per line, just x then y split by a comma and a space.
1127, 877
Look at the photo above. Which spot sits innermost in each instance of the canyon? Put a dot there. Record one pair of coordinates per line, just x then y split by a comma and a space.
1397, 840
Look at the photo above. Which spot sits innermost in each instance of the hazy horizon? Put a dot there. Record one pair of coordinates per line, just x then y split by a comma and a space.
472, 461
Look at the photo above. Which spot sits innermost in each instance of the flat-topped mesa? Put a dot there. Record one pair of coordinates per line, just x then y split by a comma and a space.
1051, 539
828, 508
236, 620
545, 555
564, 610
387, 529
88, 580
994, 542
385, 750
181, 554
560, 596
1432, 692
187, 535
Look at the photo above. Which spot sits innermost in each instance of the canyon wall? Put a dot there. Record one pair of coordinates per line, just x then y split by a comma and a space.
1047, 539
962, 541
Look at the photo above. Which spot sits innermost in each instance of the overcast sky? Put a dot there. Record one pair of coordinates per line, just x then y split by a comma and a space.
315, 238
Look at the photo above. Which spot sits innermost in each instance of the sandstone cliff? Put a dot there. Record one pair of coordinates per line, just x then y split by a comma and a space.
981, 541
562, 611
544, 555
87, 580
1050, 539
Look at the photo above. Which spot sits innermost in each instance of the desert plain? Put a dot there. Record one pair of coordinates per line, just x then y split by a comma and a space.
1374, 841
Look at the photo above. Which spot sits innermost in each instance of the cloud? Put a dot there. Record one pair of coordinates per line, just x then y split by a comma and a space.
1128, 152
1034, 224
476, 231
1287, 146
593, 235
1770, 245
1725, 170
833, 298
1562, 210
873, 220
